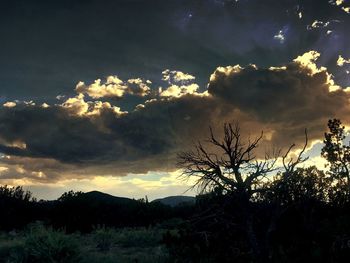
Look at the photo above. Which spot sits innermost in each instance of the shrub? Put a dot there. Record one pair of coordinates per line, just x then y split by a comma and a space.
50, 246
103, 237
12, 251
138, 237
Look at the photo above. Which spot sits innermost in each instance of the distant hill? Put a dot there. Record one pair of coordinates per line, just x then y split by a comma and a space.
100, 198
96, 196
176, 200
83, 212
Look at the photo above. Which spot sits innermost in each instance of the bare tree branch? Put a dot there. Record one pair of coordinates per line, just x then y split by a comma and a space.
290, 165
236, 169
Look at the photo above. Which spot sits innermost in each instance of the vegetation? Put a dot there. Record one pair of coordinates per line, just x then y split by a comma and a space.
248, 210
250, 215
44, 244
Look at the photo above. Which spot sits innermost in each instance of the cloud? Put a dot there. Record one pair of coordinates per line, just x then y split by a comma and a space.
215, 35
307, 60
114, 87
318, 24
346, 9
288, 98
339, 2
181, 84
172, 76
80, 138
53, 133
280, 36
78, 106
60, 97
179, 91
28, 169
342, 61
9, 104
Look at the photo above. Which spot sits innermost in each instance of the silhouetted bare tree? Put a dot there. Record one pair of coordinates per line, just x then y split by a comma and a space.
232, 167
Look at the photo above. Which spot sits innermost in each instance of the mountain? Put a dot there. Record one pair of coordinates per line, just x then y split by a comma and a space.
100, 198
176, 200
96, 196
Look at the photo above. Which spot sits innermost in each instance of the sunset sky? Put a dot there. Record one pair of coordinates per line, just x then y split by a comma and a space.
102, 95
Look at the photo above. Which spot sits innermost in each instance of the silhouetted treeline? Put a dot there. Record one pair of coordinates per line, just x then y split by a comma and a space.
299, 220
78, 211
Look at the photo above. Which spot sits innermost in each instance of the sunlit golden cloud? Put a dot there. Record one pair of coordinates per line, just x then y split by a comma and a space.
342, 61
9, 104
114, 87
86, 139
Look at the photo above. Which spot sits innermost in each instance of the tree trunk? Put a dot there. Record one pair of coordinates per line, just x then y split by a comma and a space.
253, 239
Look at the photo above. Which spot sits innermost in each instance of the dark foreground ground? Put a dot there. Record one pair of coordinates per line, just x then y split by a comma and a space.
42, 244
297, 225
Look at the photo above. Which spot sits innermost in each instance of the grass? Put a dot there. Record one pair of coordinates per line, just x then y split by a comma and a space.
46, 245
106, 245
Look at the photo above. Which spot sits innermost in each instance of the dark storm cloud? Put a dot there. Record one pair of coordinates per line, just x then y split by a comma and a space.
48, 46
51, 132
287, 98
95, 137
292, 92
68, 135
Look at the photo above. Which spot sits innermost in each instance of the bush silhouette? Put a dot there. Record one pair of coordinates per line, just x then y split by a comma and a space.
103, 237
46, 245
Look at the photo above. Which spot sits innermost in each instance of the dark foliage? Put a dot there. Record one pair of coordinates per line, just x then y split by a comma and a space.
78, 211
337, 153
302, 215
18, 207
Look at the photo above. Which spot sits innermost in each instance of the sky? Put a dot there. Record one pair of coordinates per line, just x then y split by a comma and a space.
102, 95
